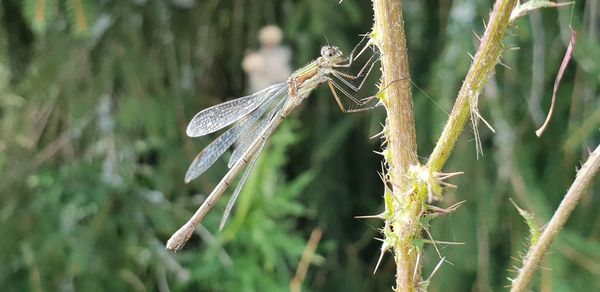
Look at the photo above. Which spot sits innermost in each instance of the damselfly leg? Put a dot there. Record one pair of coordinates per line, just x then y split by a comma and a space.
362, 44
349, 85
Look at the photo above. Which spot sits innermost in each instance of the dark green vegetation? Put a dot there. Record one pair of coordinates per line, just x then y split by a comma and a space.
94, 101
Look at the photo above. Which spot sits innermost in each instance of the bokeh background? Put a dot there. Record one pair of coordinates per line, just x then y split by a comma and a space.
95, 97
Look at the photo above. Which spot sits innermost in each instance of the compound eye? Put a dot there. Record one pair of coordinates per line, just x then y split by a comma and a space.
327, 52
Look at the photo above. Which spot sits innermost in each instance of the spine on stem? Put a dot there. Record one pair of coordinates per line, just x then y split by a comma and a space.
401, 221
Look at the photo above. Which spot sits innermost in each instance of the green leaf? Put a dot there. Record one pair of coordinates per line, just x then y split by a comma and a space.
81, 15
39, 13
523, 9
533, 229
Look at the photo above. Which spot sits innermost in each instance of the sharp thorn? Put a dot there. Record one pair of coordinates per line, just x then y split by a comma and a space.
477, 36
377, 216
505, 66
472, 58
448, 242
384, 248
377, 135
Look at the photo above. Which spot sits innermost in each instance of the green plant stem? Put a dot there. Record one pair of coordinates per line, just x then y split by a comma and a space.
403, 228
484, 62
537, 251
388, 34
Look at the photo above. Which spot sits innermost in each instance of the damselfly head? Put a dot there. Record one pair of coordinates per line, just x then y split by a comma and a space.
331, 53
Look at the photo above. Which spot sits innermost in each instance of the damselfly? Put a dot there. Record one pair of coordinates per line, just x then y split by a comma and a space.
257, 117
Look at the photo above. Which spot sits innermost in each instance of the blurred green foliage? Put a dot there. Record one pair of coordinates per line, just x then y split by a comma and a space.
95, 97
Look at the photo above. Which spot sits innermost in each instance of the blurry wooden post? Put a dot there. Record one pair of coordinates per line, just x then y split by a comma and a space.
270, 64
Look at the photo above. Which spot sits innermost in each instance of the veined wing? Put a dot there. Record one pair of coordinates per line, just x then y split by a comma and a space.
261, 131
245, 140
209, 155
221, 115
240, 185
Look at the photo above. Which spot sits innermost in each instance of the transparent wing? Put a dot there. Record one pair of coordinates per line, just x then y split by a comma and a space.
209, 155
221, 115
239, 186
245, 140
251, 163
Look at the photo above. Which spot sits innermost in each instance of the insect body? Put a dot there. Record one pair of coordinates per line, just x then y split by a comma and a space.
257, 117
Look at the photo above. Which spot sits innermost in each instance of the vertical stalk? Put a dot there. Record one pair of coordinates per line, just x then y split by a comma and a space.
484, 62
406, 202
583, 181
403, 226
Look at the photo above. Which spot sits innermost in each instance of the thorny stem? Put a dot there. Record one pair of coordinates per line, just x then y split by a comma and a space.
535, 254
388, 35
403, 225
405, 207
484, 62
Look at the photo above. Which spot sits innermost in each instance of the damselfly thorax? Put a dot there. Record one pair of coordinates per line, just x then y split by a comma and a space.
306, 79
